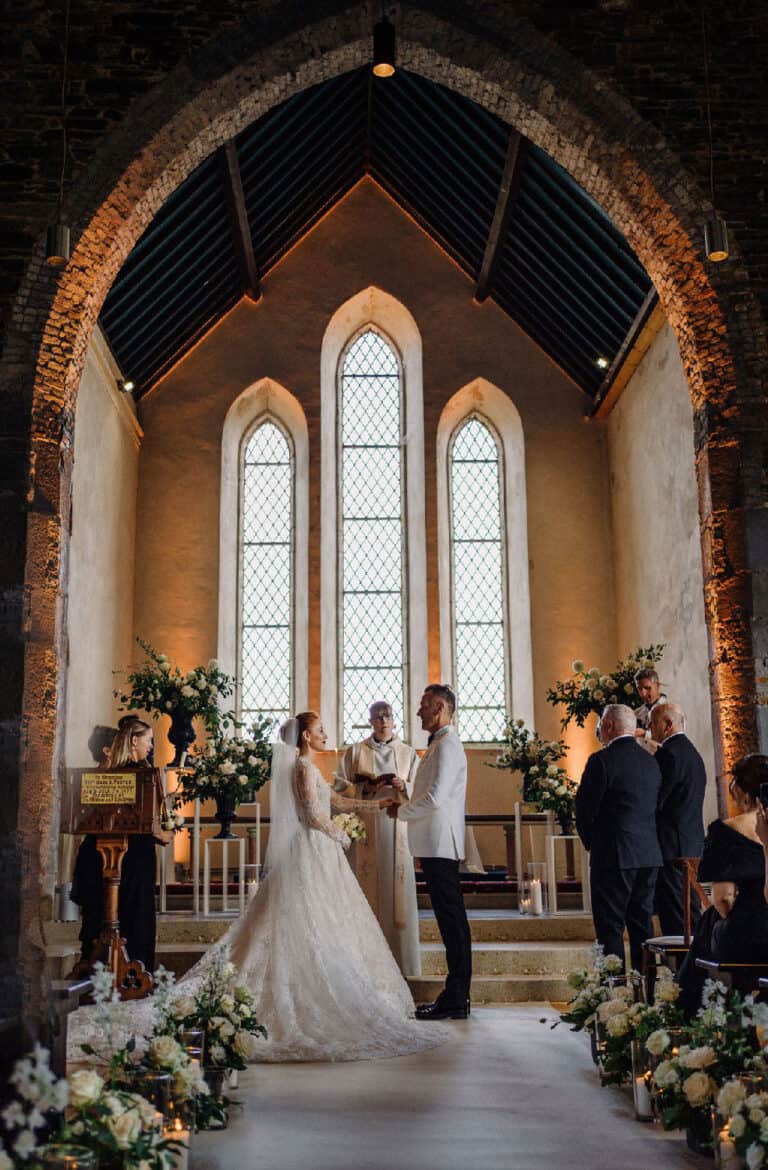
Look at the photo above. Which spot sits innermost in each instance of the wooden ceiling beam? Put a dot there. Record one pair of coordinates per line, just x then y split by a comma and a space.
238, 217
508, 188
648, 321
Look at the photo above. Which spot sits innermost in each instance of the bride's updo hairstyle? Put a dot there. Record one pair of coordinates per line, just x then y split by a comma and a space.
304, 721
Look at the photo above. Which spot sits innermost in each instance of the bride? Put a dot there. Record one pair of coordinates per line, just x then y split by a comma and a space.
326, 984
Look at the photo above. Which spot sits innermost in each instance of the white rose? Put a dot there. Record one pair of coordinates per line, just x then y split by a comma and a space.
612, 964
165, 1052
756, 1116
183, 1006
126, 1128
737, 1126
244, 1044
610, 683
85, 1087
187, 691
666, 991
665, 1075
552, 770
731, 1095
577, 666
618, 1025
697, 1088
228, 768
201, 684
598, 694
253, 761
243, 780
168, 704
611, 1008
594, 673
657, 1042
534, 771
698, 1057
560, 790
755, 1156
212, 664
628, 689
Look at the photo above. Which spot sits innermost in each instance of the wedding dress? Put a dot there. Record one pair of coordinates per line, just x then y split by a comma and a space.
308, 946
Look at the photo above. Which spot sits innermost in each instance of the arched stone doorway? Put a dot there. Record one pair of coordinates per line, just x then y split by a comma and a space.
500, 63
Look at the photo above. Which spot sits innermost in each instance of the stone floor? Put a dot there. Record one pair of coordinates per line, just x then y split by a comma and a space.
508, 1094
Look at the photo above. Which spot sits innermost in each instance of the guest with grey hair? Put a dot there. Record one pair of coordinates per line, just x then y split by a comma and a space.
616, 821
680, 816
382, 766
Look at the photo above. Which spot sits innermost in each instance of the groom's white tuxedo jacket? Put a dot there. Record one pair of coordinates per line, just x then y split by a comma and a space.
435, 812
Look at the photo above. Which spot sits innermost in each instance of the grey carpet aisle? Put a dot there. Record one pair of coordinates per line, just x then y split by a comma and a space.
509, 1094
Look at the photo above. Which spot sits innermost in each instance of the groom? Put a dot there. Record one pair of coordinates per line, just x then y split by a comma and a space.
435, 818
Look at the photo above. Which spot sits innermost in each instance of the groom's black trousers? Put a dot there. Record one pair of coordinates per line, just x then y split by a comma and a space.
444, 888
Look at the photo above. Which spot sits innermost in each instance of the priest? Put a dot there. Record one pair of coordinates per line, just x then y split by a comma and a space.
379, 767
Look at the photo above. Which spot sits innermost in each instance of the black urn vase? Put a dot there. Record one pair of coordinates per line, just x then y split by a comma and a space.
565, 821
181, 734
226, 808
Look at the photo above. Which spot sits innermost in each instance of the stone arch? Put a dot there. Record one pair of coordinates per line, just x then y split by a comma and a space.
491, 56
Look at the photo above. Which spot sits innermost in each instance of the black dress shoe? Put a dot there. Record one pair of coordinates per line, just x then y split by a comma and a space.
443, 1011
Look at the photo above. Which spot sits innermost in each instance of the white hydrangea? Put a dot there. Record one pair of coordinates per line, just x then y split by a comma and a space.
618, 1025
730, 1096
666, 991
666, 1074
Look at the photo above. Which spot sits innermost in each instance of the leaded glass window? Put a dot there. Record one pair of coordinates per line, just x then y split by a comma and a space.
372, 533
266, 574
477, 572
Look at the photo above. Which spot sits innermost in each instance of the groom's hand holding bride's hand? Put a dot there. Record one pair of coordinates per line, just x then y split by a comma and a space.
390, 806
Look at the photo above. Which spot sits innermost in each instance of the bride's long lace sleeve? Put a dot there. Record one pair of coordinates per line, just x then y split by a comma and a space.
341, 803
309, 807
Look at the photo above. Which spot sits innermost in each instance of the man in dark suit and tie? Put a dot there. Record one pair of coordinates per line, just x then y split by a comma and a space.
679, 818
616, 820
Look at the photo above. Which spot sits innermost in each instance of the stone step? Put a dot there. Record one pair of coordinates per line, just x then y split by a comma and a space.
486, 926
499, 989
508, 959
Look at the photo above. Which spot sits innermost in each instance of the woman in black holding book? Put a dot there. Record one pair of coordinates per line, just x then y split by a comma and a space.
131, 748
735, 927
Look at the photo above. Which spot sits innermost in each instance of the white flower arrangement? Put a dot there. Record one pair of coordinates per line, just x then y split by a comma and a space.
229, 766
156, 687
351, 824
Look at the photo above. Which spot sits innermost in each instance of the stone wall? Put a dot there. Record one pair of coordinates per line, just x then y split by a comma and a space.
656, 543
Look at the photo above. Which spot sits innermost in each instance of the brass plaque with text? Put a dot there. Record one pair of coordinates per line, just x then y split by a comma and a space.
108, 788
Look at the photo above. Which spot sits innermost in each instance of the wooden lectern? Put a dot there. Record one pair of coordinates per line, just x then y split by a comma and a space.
114, 806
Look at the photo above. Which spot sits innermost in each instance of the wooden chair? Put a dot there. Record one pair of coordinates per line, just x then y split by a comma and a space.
741, 977
669, 950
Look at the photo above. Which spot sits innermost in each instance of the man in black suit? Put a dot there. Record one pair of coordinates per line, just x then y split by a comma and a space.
616, 820
679, 818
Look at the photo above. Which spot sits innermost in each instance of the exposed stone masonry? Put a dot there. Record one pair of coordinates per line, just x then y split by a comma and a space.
613, 91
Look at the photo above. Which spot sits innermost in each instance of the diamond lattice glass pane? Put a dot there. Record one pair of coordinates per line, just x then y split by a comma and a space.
371, 479
266, 584
485, 725
266, 668
266, 575
373, 552
361, 397
372, 535
477, 572
266, 502
377, 642
361, 688
478, 577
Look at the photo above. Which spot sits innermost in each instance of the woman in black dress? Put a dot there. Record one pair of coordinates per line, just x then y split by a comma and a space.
735, 927
131, 748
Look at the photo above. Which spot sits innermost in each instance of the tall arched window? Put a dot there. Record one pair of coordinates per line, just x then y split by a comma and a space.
478, 580
371, 493
266, 577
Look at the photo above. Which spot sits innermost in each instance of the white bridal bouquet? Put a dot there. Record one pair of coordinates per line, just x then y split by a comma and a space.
350, 824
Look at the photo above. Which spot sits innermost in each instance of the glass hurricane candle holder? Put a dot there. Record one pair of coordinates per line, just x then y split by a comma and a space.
68, 1157
641, 1081
154, 1087
192, 1040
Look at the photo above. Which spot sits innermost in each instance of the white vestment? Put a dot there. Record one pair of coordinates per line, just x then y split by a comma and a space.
386, 859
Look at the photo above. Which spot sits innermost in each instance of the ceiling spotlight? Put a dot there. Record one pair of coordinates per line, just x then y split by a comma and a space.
383, 48
126, 386
57, 245
602, 363
716, 239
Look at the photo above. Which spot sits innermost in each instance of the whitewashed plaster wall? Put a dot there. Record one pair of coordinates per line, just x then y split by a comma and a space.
102, 550
657, 554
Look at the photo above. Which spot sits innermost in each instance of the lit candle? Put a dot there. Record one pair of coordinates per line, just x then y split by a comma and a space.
537, 902
729, 1159
643, 1106
181, 1154
234, 1079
